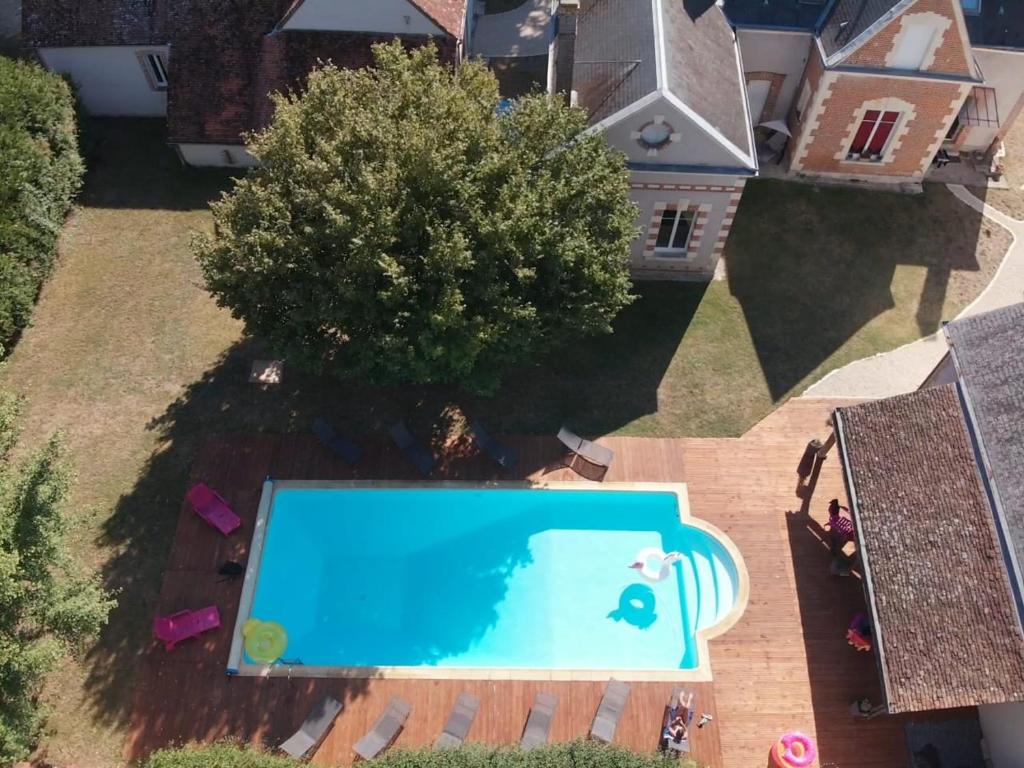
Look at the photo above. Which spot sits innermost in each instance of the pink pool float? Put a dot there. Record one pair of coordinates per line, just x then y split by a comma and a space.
794, 750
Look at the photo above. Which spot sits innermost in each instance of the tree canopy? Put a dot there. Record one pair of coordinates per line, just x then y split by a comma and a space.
403, 228
48, 607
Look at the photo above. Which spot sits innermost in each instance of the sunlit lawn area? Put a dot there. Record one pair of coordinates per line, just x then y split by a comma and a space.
133, 360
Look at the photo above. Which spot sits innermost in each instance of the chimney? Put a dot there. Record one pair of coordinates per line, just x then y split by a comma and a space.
564, 54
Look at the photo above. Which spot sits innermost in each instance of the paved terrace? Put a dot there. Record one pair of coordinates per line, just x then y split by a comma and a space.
784, 665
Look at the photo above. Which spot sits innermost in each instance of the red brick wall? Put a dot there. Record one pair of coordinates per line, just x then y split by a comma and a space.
934, 109
812, 75
950, 56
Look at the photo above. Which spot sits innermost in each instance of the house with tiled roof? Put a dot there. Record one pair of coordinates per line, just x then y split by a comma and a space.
209, 65
936, 493
703, 95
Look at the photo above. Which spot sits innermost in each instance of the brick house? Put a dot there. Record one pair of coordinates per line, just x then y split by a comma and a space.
208, 65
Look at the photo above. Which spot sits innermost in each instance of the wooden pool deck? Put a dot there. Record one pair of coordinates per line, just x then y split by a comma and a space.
785, 664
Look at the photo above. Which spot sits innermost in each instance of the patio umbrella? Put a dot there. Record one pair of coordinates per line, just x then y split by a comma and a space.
776, 125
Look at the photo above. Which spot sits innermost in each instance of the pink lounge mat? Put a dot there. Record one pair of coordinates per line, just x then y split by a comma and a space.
210, 506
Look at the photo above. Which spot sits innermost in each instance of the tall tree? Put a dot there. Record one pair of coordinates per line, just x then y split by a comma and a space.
403, 228
48, 606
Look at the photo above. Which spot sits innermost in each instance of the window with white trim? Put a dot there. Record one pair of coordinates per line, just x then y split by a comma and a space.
913, 45
156, 71
873, 135
674, 233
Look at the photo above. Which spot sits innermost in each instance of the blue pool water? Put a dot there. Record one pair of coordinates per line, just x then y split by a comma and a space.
532, 579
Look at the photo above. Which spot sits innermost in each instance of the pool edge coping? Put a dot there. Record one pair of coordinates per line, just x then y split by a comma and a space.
701, 673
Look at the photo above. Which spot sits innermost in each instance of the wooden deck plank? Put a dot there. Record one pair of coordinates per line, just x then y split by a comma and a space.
784, 665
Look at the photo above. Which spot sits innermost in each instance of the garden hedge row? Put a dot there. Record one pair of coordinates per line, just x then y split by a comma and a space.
576, 754
40, 174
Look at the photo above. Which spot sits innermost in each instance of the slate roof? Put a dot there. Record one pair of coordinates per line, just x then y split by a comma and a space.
988, 350
847, 19
1000, 22
94, 22
616, 60
945, 628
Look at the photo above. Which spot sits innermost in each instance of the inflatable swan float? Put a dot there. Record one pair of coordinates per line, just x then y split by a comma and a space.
654, 564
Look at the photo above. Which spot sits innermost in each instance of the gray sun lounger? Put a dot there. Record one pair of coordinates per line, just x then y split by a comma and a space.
385, 730
342, 446
421, 458
613, 702
459, 722
538, 724
502, 455
313, 729
586, 449
671, 745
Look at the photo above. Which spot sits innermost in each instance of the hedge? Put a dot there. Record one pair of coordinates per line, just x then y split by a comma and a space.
40, 174
575, 754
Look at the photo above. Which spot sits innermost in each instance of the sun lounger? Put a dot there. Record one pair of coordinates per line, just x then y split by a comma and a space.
459, 722
182, 625
385, 730
313, 729
669, 744
502, 455
349, 452
585, 449
210, 506
609, 711
421, 458
538, 724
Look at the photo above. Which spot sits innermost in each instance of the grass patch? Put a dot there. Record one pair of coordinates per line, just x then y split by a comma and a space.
131, 357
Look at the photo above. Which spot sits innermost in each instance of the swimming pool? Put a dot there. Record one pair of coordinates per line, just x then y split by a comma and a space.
513, 581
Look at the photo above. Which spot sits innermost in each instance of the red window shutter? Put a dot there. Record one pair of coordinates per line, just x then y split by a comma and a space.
864, 132
881, 136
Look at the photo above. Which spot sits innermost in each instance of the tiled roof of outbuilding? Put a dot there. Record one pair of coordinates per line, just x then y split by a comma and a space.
946, 630
93, 22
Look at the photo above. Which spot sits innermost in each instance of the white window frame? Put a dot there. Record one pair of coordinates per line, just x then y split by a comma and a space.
155, 69
676, 252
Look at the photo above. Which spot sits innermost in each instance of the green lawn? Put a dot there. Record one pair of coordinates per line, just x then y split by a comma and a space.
131, 357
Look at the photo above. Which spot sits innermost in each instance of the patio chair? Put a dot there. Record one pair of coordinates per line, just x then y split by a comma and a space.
586, 449
210, 506
459, 722
420, 457
676, 746
613, 702
502, 455
538, 724
349, 451
385, 730
182, 625
313, 729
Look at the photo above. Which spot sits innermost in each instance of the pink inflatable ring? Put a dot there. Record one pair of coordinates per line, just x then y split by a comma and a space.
794, 750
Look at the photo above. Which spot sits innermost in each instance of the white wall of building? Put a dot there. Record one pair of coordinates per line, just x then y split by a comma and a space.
110, 79
783, 53
216, 155
694, 145
1003, 728
389, 16
1003, 71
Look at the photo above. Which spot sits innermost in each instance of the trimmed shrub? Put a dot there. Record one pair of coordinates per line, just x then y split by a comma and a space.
574, 754
40, 174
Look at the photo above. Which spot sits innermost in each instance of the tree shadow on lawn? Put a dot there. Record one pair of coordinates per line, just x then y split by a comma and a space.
811, 266
130, 166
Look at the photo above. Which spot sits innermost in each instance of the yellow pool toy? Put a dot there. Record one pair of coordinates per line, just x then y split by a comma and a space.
265, 641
